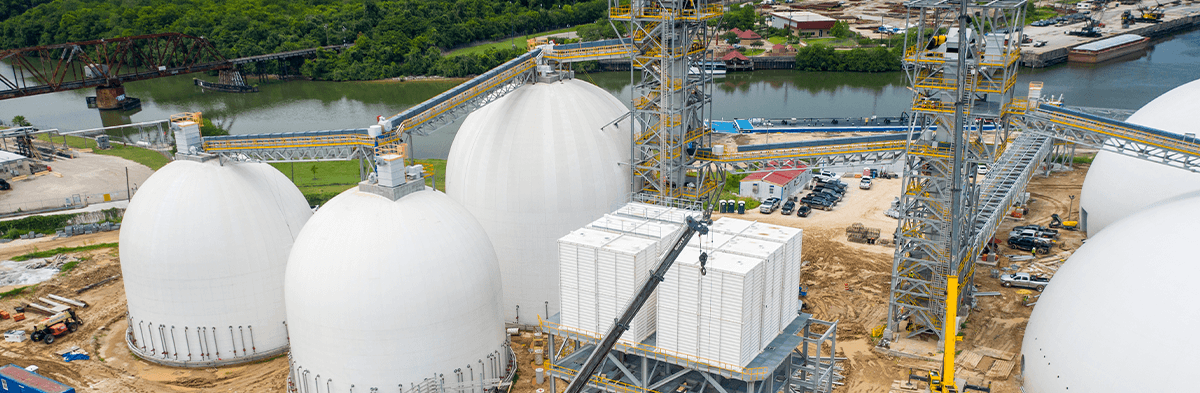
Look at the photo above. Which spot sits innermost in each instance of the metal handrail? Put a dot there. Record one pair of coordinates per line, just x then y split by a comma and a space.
679, 358
469, 94
801, 152
355, 139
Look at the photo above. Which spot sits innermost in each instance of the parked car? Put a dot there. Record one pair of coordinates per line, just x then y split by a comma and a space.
788, 207
981, 170
865, 183
824, 198
769, 205
1027, 243
803, 210
817, 203
1025, 280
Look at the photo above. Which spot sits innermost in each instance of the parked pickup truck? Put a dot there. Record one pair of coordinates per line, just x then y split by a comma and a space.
1035, 231
1025, 280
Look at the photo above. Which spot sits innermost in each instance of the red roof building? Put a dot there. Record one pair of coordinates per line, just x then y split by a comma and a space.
778, 183
735, 56
803, 21
748, 35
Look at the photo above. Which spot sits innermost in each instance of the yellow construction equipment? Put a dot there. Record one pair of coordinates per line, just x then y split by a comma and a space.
943, 381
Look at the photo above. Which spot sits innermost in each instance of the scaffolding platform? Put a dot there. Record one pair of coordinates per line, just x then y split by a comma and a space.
645, 368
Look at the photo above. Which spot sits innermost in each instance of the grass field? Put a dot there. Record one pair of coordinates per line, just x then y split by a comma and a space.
321, 181
1040, 13
833, 41
147, 157
777, 39
518, 41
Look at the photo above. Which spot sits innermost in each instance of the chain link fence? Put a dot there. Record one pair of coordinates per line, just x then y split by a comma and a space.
76, 201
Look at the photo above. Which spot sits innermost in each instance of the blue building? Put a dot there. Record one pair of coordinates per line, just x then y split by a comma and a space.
14, 379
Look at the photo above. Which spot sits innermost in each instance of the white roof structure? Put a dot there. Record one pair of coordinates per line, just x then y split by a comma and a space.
801, 16
1110, 319
533, 166
203, 252
7, 157
1119, 185
382, 293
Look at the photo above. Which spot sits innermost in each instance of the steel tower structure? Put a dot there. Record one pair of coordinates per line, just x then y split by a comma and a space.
670, 40
961, 61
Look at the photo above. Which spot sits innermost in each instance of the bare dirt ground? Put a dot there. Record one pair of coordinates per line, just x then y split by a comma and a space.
849, 282
113, 368
846, 281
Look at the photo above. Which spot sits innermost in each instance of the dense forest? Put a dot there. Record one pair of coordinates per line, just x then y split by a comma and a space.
392, 37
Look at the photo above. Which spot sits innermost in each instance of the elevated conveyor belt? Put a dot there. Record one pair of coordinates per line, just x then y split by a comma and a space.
428, 116
331, 145
1181, 151
865, 150
617, 48
1008, 177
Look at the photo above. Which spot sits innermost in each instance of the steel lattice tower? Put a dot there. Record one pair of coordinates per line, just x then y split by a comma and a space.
670, 46
962, 97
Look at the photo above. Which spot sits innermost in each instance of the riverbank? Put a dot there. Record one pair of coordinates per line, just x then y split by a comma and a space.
1058, 43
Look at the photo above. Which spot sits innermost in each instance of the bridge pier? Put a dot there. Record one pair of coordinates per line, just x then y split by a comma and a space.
110, 97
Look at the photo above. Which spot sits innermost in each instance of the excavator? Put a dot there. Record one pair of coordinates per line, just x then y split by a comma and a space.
1150, 15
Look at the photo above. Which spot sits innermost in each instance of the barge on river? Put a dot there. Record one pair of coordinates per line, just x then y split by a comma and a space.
1108, 48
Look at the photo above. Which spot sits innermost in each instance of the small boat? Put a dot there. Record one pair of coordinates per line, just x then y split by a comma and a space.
716, 68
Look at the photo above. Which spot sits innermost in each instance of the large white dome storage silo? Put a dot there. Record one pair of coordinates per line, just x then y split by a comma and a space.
1111, 319
203, 250
385, 294
1118, 185
531, 167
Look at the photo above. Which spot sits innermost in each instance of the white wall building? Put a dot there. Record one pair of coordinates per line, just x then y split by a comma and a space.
778, 184
389, 295
533, 166
204, 246
1110, 319
1118, 185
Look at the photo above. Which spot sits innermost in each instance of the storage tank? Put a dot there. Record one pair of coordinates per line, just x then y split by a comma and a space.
203, 251
384, 294
1111, 318
531, 167
1118, 185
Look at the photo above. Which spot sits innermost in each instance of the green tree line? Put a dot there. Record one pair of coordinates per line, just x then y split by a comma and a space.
392, 37
824, 58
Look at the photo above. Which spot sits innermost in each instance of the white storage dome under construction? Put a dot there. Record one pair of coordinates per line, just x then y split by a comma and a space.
203, 247
1110, 319
531, 167
384, 294
1119, 185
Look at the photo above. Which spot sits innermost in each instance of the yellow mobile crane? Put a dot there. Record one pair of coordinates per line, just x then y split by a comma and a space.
943, 381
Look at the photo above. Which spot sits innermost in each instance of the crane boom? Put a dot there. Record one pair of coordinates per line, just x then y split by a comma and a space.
622, 323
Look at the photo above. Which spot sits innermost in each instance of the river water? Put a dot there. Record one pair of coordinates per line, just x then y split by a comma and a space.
1126, 83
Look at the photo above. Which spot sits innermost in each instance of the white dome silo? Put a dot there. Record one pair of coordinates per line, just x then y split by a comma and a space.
531, 167
203, 250
1118, 185
1111, 318
383, 294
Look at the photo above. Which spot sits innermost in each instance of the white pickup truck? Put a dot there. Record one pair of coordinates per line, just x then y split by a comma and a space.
1024, 280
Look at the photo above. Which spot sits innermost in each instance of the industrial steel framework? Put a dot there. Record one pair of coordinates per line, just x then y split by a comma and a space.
961, 62
799, 360
669, 41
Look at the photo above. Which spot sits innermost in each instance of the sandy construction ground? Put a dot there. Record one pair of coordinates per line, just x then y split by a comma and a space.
832, 264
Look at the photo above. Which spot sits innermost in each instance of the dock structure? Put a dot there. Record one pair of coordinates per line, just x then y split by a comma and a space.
1059, 45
